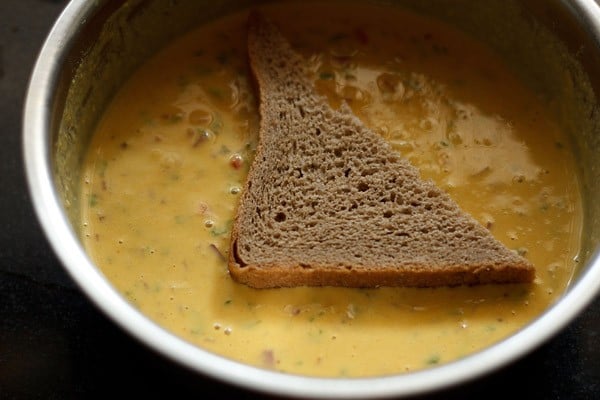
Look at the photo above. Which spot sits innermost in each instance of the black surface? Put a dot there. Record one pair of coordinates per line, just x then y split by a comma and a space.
55, 344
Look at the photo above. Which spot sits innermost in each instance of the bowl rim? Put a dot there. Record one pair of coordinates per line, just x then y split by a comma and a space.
37, 114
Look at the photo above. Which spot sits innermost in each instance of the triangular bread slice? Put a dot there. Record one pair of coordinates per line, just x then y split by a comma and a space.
328, 203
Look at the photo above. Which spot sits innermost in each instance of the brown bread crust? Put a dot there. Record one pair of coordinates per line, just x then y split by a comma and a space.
327, 202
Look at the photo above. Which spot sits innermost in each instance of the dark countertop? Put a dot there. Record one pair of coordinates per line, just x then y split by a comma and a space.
55, 344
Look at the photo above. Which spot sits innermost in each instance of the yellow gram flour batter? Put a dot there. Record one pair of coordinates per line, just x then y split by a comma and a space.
168, 161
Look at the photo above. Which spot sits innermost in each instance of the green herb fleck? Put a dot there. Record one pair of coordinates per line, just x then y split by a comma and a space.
326, 75
434, 359
216, 93
216, 124
522, 251
101, 167
129, 294
93, 200
252, 324
414, 84
228, 302
216, 231
224, 150
180, 219
146, 118
147, 250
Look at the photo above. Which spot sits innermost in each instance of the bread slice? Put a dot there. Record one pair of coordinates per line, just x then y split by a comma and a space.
328, 203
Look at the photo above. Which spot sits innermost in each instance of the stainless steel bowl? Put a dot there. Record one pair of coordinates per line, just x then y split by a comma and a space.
95, 45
